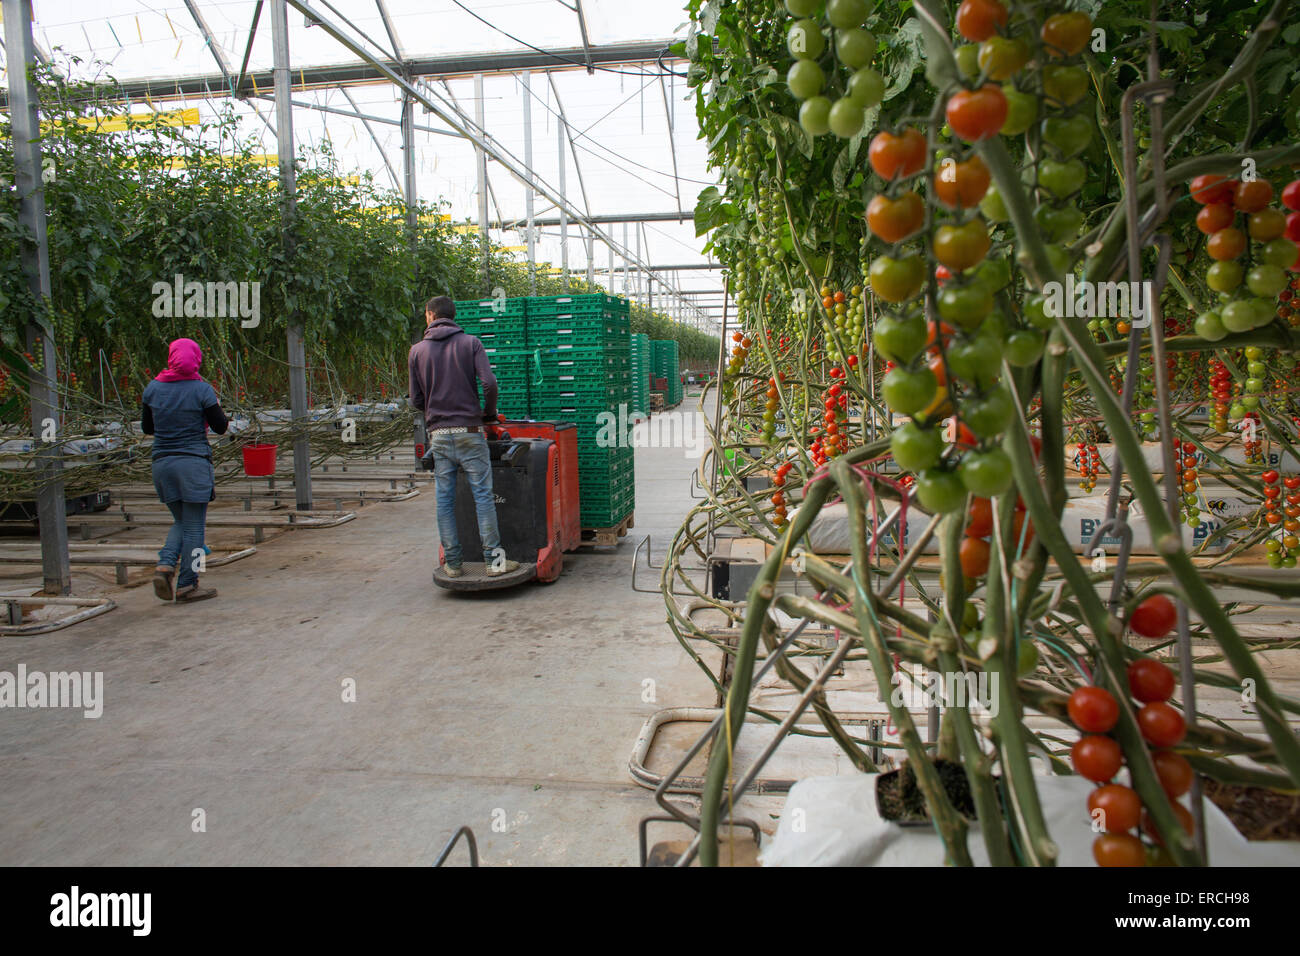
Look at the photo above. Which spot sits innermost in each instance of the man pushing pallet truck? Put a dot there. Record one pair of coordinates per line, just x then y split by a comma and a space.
446, 367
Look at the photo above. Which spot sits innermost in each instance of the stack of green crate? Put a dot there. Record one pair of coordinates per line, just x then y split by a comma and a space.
667, 366
581, 351
642, 360
502, 326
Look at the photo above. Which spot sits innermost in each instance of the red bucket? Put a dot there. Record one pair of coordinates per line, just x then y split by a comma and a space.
259, 460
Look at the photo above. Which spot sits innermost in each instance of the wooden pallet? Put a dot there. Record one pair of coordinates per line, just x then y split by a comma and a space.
606, 537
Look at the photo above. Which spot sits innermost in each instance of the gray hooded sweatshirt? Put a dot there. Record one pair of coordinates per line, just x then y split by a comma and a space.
445, 366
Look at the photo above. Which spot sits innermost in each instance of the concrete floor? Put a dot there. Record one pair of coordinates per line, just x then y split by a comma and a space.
513, 713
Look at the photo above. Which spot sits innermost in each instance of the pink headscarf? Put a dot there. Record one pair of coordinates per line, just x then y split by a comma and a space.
183, 359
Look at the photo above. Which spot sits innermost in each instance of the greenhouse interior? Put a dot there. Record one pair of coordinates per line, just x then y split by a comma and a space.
741, 433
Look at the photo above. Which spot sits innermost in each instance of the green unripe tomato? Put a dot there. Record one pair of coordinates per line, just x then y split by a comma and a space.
866, 88
909, 391
855, 48
1022, 110
1024, 347
965, 306
940, 492
1238, 316
1278, 252
992, 206
1224, 276
1210, 327
968, 60
847, 118
916, 448
805, 79
802, 8
986, 473
1266, 280
805, 40
815, 116
1035, 312
845, 14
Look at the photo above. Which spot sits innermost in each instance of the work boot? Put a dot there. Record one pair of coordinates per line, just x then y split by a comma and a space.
195, 592
162, 582
452, 571
495, 570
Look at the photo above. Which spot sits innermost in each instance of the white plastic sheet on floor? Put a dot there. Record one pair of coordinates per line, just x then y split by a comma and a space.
832, 821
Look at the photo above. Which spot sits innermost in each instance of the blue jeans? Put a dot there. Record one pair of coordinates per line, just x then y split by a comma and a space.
184, 540
466, 452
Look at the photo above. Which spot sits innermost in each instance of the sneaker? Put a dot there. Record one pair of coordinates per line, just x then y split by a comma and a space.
195, 592
505, 567
452, 572
162, 582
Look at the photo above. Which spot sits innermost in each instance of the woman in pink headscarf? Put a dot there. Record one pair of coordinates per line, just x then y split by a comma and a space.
178, 408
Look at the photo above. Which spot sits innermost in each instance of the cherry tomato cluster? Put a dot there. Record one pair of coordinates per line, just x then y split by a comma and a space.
835, 103
1188, 481
772, 403
779, 514
1116, 809
739, 352
1221, 392
1088, 458
1283, 549
1270, 237
831, 439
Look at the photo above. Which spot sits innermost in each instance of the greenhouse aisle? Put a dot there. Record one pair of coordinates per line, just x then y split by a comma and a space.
225, 738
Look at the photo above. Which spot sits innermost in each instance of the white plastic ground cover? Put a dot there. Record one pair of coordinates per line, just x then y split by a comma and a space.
832, 821
1080, 520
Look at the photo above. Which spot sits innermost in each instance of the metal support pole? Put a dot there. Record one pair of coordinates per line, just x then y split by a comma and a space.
611, 269
480, 119
408, 167
627, 267
564, 215
297, 353
51, 509
530, 192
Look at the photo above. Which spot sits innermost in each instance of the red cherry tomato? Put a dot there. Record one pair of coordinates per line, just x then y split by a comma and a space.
1174, 771
1093, 709
1211, 188
1097, 758
1150, 681
1154, 617
977, 20
1291, 195
1119, 849
974, 555
981, 518
976, 115
1161, 725
1115, 807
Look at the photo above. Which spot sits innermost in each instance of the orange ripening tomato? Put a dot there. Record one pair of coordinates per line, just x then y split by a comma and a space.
1215, 216
897, 156
1066, 34
981, 518
961, 184
895, 219
976, 115
1252, 196
1226, 244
